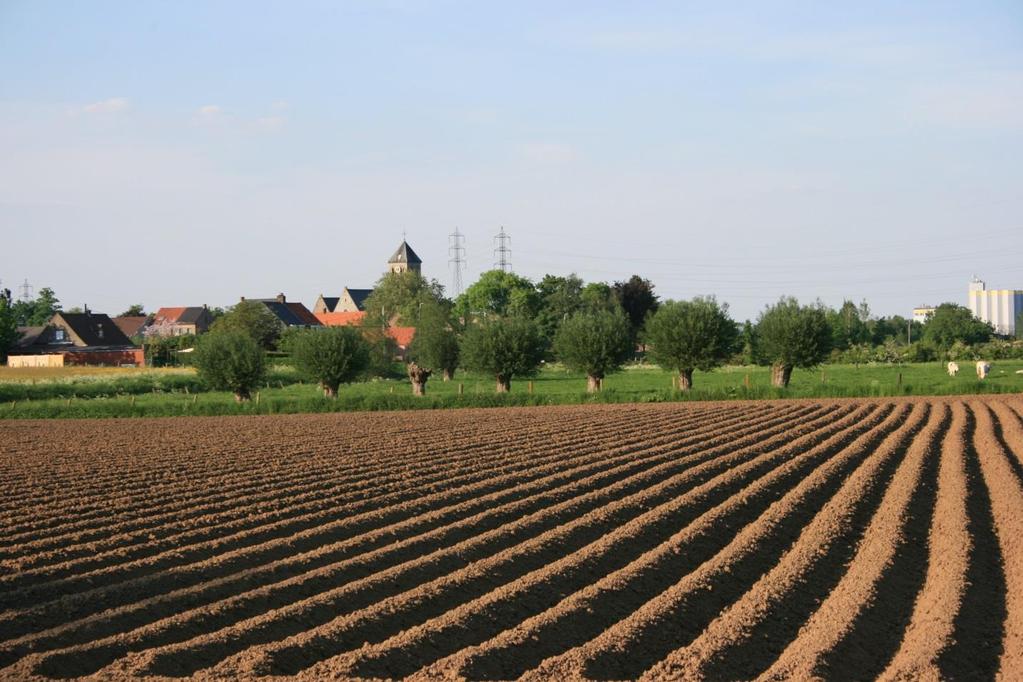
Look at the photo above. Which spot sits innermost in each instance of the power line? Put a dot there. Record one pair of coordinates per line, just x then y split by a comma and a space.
502, 252
456, 261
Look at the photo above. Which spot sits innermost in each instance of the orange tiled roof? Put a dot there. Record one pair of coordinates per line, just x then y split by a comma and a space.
168, 315
340, 319
403, 335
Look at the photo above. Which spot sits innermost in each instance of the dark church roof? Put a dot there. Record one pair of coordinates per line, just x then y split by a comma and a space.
405, 254
359, 296
330, 302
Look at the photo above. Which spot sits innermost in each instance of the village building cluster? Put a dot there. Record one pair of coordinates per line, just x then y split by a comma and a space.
90, 338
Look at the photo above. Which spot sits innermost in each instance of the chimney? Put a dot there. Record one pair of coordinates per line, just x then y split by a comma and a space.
85, 307
243, 299
281, 299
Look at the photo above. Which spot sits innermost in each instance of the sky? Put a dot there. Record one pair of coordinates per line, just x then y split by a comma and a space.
181, 153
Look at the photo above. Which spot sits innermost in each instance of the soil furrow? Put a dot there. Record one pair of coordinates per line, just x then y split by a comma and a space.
932, 625
634, 472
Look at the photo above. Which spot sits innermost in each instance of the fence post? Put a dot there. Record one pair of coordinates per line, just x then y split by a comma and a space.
900, 379
257, 397
673, 386
133, 400
461, 388
745, 381
530, 388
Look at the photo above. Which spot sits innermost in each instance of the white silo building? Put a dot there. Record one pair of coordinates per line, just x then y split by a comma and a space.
1000, 307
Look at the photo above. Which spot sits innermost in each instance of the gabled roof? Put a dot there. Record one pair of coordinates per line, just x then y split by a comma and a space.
358, 296
93, 329
405, 254
180, 315
290, 314
130, 325
168, 315
330, 302
29, 335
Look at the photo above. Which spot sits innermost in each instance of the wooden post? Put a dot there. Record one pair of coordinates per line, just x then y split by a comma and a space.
133, 401
69, 402
900, 378
530, 388
461, 388
673, 386
392, 390
195, 398
745, 381
824, 377
186, 389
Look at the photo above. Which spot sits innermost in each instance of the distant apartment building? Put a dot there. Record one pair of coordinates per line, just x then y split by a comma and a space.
999, 307
921, 313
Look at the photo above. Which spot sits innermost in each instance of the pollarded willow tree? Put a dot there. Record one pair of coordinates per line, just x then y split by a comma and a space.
688, 335
434, 347
793, 335
594, 342
331, 356
504, 348
230, 361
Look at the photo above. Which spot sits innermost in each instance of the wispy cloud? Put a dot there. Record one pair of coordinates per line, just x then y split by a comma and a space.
209, 110
107, 106
548, 152
269, 124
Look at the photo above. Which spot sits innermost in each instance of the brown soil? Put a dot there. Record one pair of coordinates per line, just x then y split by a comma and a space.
825, 539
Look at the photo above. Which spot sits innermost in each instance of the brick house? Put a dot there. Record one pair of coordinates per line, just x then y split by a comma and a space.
85, 338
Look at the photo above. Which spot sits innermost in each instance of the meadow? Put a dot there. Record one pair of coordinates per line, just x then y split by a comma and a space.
125, 392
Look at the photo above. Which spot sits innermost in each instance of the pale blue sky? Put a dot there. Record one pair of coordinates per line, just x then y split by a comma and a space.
186, 153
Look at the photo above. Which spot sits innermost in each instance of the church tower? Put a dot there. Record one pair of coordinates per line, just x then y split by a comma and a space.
405, 259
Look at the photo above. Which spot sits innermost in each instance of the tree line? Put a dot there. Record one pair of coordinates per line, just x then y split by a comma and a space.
507, 327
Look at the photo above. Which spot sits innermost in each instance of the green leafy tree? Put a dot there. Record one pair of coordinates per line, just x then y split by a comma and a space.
230, 360
331, 356
690, 335
435, 345
636, 297
383, 353
37, 312
498, 293
164, 351
596, 343
848, 325
793, 335
747, 345
559, 298
254, 319
951, 323
504, 348
598, 296
134, 310
399, 297
9, 333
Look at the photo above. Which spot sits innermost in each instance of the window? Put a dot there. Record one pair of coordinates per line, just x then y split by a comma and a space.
59, 335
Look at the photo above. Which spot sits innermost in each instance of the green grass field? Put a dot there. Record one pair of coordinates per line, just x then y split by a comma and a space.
126, 393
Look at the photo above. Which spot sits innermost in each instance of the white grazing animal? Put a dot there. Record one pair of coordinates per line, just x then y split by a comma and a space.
953, 369
982, 369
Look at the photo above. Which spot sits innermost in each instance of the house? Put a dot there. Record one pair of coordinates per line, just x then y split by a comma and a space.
85, 338
289, 314
182, 321
131, 325
350, 301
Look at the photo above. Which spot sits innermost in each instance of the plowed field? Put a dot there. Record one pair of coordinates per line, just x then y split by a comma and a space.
848, 539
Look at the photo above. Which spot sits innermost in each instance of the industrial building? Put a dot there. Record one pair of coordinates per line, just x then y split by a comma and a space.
999, 307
